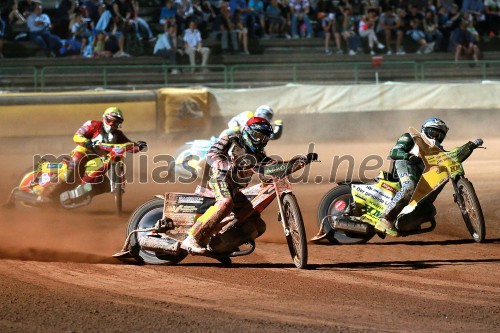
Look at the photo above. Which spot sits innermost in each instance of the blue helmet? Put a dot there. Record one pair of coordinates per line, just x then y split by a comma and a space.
435, 129
256, 134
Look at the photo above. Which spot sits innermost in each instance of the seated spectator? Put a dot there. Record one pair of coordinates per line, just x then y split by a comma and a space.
100, 49
475, 8
185, 12
366, 30
193, 45
471, 27
140, 23
80, 29
300, 12
70, 47
414, 20
462, 43
448, 21
39, 26
432, 33
63, 17
105, 15
349, 31
388, 27
165, 48
2, 33
275, 21
257, 10
329, 27
492, 10
167, 15
224, 25
246, 15
27, 7
242, 31
123, 24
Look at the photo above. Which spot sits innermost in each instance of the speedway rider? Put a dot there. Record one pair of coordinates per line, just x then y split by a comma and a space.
87, 137
409, 167
231, 159
236, 124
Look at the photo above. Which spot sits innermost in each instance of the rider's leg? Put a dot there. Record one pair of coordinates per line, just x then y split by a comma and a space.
200, 232
408, 177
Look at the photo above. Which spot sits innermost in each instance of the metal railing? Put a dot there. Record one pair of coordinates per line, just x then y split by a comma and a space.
229, 76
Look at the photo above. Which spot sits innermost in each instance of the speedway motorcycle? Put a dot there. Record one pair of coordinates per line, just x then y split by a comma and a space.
348, 212
108, 157
157, 228
190, 158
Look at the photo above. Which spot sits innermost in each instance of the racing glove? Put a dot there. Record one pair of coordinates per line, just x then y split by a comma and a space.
476, 143
413, 159
142, 145
89, 145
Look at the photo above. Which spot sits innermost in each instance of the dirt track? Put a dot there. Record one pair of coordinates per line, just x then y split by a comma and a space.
56, 273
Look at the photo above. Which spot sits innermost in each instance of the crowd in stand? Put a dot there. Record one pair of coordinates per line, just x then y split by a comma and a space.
105, 28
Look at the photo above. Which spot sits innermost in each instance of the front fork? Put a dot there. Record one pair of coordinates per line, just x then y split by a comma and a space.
457, 197
114, 178
281, 216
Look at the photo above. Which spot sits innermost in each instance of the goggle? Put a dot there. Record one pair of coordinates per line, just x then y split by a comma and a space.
259, 137
435, 134
111, 121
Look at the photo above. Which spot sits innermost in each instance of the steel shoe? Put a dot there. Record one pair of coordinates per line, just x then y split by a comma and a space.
191, 245
386, 226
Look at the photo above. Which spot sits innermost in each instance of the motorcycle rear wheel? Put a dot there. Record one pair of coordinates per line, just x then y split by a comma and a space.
327, 207
145, 217
473, 215
296, 239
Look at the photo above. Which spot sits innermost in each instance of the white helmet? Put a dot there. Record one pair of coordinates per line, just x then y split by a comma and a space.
435, 129
264, 111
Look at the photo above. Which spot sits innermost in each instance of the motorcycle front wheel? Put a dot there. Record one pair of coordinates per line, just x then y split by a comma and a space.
142, 218
473, 214
333, 203
296, 238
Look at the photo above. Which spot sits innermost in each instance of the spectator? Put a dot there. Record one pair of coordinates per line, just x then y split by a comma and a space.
388, 27
2, 33
471, 27
123, 24
26, 7
99, 47
105, 15
167, 16
492, 10
257, 10
185, 13
349, 32
70, 47
286, 13
140, 23
39, 26
15, 18
224, 26
300, 12
446, 5
475, 8
366, 26
462, 43
80, 30
166, 49
242, 32
274, 20
63, 16
448, 21
329, 28
432, 33
15, 22
193, 45
246, 15
414, 20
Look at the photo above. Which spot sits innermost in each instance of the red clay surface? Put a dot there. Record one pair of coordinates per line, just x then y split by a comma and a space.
57, 273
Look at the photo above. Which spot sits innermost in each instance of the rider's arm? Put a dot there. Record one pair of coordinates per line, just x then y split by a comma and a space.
82, 134
217, 154
464, 152
402, 148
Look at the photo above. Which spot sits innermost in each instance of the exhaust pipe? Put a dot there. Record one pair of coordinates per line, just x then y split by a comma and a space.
160, 245
346, 224
26, 197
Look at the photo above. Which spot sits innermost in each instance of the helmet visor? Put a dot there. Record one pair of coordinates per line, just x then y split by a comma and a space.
435, 134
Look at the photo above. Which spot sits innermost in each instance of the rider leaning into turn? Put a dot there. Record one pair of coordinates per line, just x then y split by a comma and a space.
236, 124
231, 159
86, 138
409, 167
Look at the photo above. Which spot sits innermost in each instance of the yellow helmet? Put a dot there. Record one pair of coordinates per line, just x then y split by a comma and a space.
113, 117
